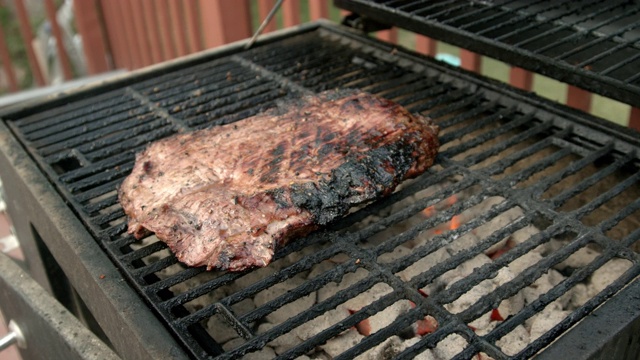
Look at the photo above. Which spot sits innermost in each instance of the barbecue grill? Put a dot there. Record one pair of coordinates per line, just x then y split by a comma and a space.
502, 150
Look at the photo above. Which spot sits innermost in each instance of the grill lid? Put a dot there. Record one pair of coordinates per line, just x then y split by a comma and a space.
592, 44
502, 152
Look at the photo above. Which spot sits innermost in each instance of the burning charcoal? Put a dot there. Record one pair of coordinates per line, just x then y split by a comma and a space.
389, 349
232, 344
543, 284
523, 262
607, 274
450, 346
424, 264
482, 324
313, 327
498, 222
266, 353
579, 259
220, 330
320, 268
525, 234
465, 269
282, 343
545, 320
397, 253
513, 304
244, 306
464, 242
288, 310
514, 341
580, 296
427, 354
339, 344
425, 326
253, 277
349, 279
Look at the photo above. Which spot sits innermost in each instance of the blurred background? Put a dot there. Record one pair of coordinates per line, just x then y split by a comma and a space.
50, 45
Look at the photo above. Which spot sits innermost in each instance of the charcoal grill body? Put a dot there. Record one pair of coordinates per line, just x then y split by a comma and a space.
61, 189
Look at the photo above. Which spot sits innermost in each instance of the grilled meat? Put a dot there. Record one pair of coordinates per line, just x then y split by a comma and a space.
227, 196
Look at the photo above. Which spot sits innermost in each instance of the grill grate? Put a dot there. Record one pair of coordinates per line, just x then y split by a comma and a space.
86, 147
592, 44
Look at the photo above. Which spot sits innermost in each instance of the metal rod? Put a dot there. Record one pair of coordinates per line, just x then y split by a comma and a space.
8, 340
264, 23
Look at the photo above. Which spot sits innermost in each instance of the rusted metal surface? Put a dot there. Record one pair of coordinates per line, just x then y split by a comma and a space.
65, 63
578, 98
470, 60
224, 22
27, 37
521, 78
7, 65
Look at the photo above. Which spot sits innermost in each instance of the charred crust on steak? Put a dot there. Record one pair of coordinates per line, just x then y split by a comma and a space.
228, 196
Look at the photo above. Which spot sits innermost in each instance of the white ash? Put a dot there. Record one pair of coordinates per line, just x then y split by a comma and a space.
391, 347
542, 322
514, 341
266, 353
339, 344
449, 347
510, 344
607, 274
288, 310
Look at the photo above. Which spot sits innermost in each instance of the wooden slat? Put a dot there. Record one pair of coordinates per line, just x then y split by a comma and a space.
65, 63
141, 32
318, 9
179, 27
125, 13
634, 118
390, 35
426, 45
27, 37
578, 98
153, 33
521, 78
116, 37
470, 60
164, 22
291, 13
264, 6
225, 21
7, 65
193, 25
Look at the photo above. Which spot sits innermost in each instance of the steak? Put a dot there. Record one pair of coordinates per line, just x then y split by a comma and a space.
226, 197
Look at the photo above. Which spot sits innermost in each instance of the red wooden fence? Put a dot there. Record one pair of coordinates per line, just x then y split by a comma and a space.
132, 34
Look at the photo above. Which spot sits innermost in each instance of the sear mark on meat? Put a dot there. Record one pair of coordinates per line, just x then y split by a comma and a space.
228, 196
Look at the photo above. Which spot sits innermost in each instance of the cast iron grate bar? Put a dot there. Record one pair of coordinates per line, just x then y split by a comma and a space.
479, 122
591, 44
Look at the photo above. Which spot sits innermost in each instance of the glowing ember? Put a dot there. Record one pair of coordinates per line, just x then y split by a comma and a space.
363, 327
